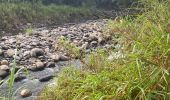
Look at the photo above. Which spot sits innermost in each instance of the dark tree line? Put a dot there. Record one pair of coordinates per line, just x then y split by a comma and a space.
94, 3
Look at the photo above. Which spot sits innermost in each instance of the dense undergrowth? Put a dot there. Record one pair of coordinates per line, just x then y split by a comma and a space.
143, 74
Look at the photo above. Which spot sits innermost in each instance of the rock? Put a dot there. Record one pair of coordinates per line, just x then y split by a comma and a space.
20, 77
93, 43
64, 58
37, 52
28, 46
55, 58
93, 37
101, 40
4, 62
46, 78
84, 46
50, 64
11, 41
40, 65
46, 50
10, 52
4, 68
34, 44
1, 52
5, 47
3, 73
25, 93
26, 53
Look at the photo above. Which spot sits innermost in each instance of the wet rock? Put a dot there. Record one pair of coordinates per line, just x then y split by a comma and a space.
37, 52
25, 93
4, 68
20, 77
3, 73
46, 78
10, 52
50, 64
4, 62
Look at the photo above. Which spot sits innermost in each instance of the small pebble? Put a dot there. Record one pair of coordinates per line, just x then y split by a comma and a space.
25, 93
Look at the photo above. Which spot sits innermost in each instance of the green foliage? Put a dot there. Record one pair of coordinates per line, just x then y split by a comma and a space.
144, 74
13, 15
29, 31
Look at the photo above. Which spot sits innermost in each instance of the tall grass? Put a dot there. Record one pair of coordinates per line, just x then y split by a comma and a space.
144, 74
14, 15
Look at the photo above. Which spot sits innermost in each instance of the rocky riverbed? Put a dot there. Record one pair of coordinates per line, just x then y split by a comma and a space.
37, 58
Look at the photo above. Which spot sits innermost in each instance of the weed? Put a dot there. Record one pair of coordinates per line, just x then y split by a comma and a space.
29, 31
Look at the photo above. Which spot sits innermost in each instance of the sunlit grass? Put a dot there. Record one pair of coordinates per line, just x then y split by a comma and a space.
142, 75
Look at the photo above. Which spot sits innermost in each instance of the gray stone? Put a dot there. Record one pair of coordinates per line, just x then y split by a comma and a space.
50, 64
20, 77
37, 52
55, 58
64, 58
25, 93
101, 40
3, 73
40, 65
46, 78
4, 68
84, 46
10, 52
1, 52
93, 43
26, 53
4, 62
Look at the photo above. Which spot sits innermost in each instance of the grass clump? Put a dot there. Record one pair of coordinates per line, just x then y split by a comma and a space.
144, 74
29, 31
